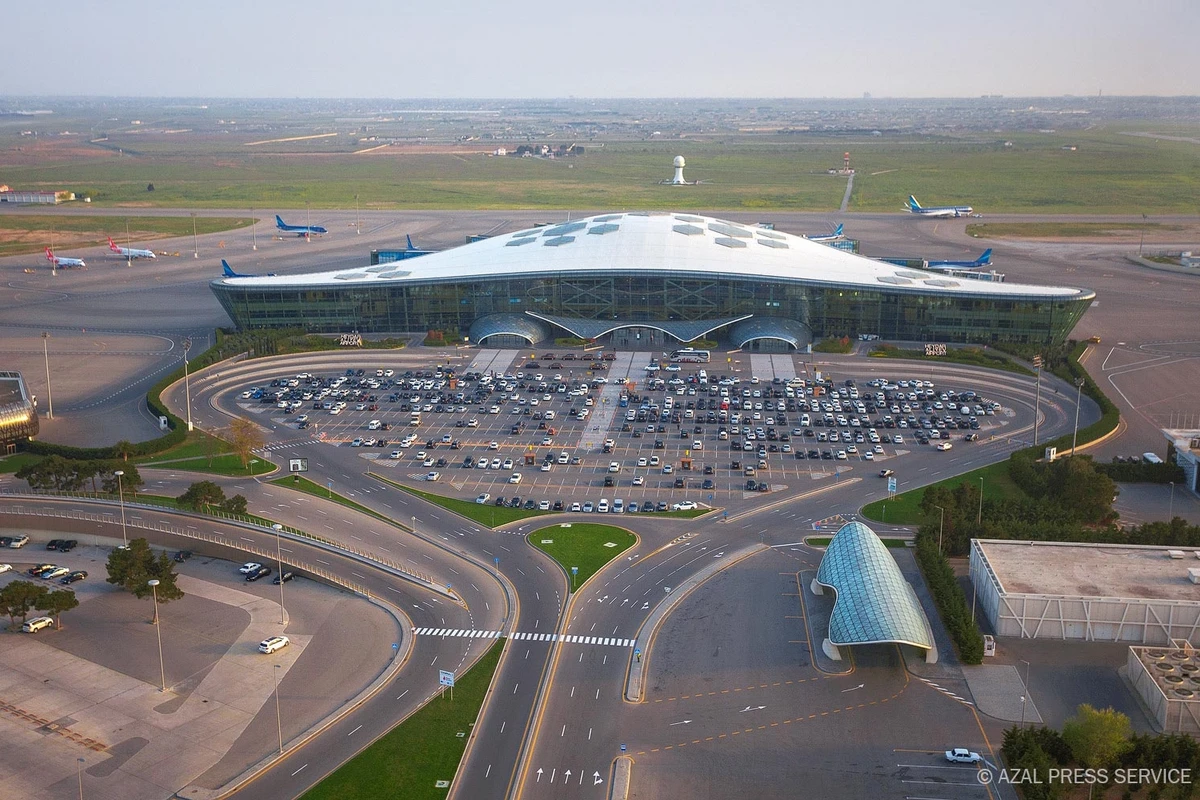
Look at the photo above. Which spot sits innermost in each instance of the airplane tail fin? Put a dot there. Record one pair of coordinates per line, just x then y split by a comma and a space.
49, 255
279, 223
113, 245
408, 238
838, 230
229, 273
986, 258
913, 204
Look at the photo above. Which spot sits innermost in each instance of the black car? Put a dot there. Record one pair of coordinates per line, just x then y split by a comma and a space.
53, 544
751, 485
73, 577
659, 444
735, 465
708, 484
515, 502
261, 572
708, 469
647, 506
499, 501
679, 484
283, 577
558, 505
763, 486
182, 555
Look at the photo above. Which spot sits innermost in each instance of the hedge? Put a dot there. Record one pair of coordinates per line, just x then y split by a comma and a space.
1143, 472
951, 603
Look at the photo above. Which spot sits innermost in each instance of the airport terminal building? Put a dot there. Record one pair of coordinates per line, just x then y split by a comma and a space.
654, 278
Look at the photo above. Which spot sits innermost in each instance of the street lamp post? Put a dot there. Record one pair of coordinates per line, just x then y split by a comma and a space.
278, 715
979, 515
253, 228
187, 386
79, 762
121, 500
46, 353
1171, 512
279, 562
195, 238
941, 525
1037, 403
162, 670
1078, 396
357, 226
1026, 694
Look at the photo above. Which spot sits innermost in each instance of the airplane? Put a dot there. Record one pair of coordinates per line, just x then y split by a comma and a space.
411, 251
299, 230
63, 261
937, 211
827, 237
983, 261
129, 252
229, 273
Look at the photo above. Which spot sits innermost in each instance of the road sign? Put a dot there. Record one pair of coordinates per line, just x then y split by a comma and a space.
395, 645
445, 677
622, 748
891, 484
574, 570
298, 465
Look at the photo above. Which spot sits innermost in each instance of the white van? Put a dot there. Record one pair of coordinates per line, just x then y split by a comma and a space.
618, 506
36, 624
374, 425
703, 378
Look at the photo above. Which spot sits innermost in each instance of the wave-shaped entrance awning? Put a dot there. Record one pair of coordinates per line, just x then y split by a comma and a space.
683, 330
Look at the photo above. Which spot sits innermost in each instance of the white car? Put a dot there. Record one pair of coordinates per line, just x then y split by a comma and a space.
686, 505
483, 498
546, 467
36, 624
667, 469
273, 644
944, 445
639, 481
248, 567
5, 567
515, 478
433, 476
961, 755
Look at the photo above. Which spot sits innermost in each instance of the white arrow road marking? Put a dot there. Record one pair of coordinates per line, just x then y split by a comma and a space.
853, 688
751, 708
596, 779
681, 722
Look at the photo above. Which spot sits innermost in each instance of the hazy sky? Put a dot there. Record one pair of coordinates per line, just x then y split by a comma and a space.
606, 48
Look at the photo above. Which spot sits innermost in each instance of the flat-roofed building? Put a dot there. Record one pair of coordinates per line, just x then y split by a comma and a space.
1089, 592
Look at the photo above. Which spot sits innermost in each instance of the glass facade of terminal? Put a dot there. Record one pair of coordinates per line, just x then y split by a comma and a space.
828, 309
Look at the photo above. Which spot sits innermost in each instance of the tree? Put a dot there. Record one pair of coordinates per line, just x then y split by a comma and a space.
245, 437
124, 449
201, 496
18, 598
235, 505
55, 473
149, 187
133, 567
1097, 738
56, 602
131, 480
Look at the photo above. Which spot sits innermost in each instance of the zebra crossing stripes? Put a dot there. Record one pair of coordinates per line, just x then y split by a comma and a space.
947, 692
607, 641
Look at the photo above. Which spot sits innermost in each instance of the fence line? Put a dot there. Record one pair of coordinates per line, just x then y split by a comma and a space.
159, 526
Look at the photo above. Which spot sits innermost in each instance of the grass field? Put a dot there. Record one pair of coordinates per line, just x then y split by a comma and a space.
1065, 230
584, 545
905, 508
29, 233
229, 465
17, 461
1108, 173
483, 513
426, 748
973, 356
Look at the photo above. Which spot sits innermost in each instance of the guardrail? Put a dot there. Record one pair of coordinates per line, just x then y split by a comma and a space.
286, 532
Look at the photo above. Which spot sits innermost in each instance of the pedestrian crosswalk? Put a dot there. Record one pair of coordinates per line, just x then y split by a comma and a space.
527, 637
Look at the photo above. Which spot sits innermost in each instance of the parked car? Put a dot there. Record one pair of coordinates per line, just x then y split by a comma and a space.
261, 572
284, 577
5, 568
51, 574
73, 577
36, 624
182, 556
686, 505
248, 567
483, 498
20, 540
273, 644
961, 755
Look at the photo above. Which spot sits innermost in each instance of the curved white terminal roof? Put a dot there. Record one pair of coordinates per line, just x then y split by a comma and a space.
661, 242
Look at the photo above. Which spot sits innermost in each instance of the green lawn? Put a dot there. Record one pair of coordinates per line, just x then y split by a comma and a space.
17, 461
30, 233
426, 748
302, 484
904, 508
483, 513
582, 544
197, 444
229, 465
1064, 230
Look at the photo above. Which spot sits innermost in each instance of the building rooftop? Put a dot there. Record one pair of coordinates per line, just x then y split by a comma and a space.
687, 244
1091, 570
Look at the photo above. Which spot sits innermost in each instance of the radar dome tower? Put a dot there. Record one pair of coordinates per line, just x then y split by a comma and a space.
679, 165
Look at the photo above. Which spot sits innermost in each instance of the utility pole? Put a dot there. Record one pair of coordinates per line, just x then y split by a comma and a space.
1078, 394
941, 525
253, 228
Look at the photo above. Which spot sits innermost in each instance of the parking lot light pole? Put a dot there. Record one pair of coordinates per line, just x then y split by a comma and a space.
187, 386
941, 525
979, 516
46, 353
253, 229
278, 715
121, 500
162, 670
1037, 402
1026, 694
279, 562
79, 773
195, 238
1078, 394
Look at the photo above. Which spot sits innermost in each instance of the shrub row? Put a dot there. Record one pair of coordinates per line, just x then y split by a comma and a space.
951, 603
1143, 472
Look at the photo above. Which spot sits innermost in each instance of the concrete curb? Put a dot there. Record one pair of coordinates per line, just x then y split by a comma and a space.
837, 482
634, 688
622, 777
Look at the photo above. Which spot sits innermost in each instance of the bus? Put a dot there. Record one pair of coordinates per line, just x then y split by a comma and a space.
690, 356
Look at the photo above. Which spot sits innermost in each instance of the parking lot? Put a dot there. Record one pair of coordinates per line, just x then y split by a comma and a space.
622, 431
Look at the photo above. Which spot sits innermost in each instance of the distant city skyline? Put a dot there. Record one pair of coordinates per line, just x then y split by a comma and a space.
767, 48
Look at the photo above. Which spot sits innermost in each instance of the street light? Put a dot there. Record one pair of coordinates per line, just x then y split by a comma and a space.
187, 387
1078, 393
253, 228
357, 227
941, 525
162, 670
121, 498
79, 774
46, 352
195, 238
278, 716
1026, 663
1037, 403
979, 516
1171, 513
279, 561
